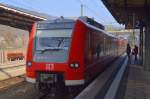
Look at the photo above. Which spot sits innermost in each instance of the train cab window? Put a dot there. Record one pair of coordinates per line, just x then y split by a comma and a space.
52, 45
104, 46
53, 39
89, 40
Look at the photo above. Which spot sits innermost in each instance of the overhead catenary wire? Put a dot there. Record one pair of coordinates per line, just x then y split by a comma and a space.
36, 7
26, 5
95, 4
79, 1
15, 2
90, 9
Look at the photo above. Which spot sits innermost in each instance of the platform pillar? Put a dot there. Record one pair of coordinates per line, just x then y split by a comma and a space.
147, 47
141, 45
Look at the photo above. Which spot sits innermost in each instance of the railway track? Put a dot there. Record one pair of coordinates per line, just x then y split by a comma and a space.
11, 74
5, 84
13, 70
56, 95
13, 65
60, 92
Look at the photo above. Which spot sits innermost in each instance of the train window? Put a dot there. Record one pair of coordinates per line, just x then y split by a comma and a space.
60, 25
98, 50
104, 46
53, 39
59, 42
89, 40
52, 45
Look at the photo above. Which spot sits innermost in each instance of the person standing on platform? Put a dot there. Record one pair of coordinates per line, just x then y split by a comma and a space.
128, 50
135, 51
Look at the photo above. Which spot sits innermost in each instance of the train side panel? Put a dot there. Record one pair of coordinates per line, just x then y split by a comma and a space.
30, 75
100, 50
77, 55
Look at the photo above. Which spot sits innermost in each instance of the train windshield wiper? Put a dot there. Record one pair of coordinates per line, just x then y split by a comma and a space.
60, 42
51, 49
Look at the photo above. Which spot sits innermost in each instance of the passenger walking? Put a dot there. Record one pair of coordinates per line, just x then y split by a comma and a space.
128, 50
135, 51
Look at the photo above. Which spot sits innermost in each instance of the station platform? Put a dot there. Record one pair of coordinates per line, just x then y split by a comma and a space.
129, 81
138, 82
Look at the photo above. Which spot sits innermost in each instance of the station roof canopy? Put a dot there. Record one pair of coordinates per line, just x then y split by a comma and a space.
125, 11
18, 17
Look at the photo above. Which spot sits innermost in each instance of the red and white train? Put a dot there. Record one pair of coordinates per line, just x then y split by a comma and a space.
73, 51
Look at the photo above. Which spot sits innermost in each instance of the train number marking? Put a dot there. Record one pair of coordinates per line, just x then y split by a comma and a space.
50, 67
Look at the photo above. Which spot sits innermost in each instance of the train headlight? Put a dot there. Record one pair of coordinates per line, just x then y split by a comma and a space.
74, 65
29, 64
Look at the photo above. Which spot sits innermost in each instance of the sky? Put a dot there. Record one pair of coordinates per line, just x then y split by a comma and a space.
67, 8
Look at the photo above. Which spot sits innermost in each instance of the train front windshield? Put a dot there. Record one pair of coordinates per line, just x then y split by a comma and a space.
52, 45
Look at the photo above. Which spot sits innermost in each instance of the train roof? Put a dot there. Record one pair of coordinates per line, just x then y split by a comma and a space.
92, 22
103, 31
58, 20
57, 23
70, 23
72, 20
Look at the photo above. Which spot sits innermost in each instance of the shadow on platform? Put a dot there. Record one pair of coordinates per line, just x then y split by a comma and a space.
135, 83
